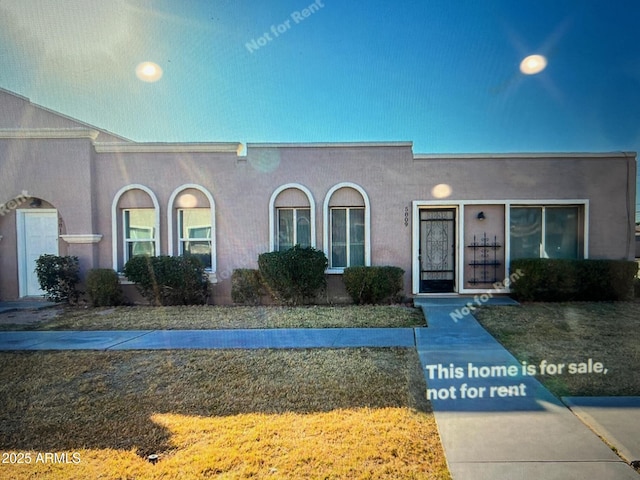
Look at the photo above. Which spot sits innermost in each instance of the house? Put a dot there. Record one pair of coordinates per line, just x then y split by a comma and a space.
452, 222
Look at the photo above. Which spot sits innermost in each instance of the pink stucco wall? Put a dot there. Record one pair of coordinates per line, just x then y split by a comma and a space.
81, 180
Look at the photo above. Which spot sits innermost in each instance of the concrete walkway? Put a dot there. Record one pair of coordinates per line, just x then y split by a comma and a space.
208, 339
514, 428
616, 419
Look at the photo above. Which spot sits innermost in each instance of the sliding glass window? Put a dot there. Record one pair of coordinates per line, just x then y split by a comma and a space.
546, 232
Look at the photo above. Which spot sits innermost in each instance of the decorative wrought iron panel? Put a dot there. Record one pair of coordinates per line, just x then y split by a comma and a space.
437, 250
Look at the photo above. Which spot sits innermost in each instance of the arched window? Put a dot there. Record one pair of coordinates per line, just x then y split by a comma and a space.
135, 222
292, 218
347, 219
191, 224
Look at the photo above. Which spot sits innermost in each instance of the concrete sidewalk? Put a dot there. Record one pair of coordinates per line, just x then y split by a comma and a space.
514, 428
207, 339
616, 419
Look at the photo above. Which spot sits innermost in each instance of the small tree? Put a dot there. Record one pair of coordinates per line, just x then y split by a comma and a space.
295, 275
58, 277
373, 284
103, 287
166, 280
246, 286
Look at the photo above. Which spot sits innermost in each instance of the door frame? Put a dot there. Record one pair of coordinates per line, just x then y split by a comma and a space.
21, 239
459, 233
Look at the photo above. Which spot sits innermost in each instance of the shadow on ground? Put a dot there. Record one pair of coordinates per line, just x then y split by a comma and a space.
63, 401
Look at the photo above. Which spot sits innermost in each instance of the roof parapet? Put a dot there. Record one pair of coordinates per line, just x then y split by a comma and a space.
219, 147
48, 133
516, 155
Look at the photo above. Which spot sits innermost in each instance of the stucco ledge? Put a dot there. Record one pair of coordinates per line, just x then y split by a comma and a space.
84, 238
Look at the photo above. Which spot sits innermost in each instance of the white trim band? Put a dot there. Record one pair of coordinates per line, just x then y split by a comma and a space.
82, 238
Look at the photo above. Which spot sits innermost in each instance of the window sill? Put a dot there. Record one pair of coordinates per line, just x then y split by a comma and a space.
334, 271
213, 278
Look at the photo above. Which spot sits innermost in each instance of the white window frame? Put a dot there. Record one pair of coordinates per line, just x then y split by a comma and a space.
126, 241
175, 249
543, 207
182, 240
347, 233
115, 243
273, 225
326, 220
295, 223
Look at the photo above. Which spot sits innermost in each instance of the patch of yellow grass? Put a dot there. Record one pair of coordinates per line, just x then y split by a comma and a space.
384, 443
219, 317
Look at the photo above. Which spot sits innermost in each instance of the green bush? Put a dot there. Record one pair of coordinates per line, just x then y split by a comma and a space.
103, 287
58, 277
373, 284
636, 287
246, 286
555, 280
166, 280
293, 276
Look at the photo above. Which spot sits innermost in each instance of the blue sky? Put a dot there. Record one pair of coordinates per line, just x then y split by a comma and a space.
441, 73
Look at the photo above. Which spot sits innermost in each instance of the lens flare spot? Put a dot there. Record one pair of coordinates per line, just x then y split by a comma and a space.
441, 190
533, 64
149, 72
187, 200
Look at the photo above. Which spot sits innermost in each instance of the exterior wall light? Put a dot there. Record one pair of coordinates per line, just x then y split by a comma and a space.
480, 216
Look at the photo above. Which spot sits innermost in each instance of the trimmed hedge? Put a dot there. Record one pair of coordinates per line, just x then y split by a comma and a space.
555, 280
103, 287
293, 276
373, 284
166, 280
58, 277
246, 286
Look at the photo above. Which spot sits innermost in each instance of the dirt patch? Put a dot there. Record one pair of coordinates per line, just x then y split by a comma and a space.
29, 317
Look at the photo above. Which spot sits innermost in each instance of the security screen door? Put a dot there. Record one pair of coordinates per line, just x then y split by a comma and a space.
437, 250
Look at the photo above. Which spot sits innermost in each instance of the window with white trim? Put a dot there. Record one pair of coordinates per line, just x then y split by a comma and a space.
195, 234
347, 237
139, 232
294, 228
550, 231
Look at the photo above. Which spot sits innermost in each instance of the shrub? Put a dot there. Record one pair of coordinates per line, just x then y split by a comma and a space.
58, 277
103, 287
295, 275
373, 284
166, 280
555, 280
246, 286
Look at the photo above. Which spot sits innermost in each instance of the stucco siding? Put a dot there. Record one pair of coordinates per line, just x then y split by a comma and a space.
77, 174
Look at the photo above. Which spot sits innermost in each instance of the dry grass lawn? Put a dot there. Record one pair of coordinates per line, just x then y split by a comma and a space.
215, 317
355, 413
573, 333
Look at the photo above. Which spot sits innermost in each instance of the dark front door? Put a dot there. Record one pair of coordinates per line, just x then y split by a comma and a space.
437, 250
